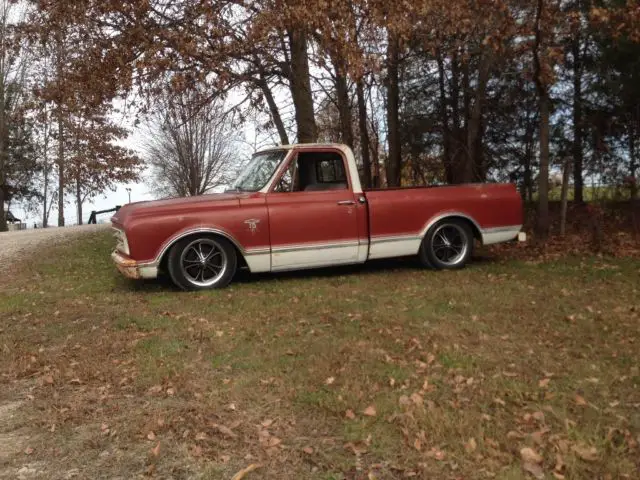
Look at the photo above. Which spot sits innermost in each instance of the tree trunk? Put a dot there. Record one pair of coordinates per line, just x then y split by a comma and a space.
45, 197
45, 173
3, 155
394, 162
60, 162
79, 201
543, 180
633, 165
364, 133
527, 186
458, 140
344, 105
3, 218
474, 129
564, 197
300, 82
444, 119
578, 157
273, 110
542, 227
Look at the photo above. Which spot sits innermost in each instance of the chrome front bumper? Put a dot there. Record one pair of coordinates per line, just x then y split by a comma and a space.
132, 269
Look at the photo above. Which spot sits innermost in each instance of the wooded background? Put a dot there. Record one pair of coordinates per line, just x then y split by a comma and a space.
425, 91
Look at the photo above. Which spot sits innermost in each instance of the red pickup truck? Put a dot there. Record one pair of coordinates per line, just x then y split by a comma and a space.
302, 206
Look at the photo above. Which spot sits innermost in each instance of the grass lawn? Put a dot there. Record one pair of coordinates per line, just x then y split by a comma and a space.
507, 369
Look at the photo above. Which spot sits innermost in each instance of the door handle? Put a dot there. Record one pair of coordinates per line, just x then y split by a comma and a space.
346, 202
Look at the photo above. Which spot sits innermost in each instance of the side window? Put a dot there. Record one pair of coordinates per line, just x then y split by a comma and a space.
331, 171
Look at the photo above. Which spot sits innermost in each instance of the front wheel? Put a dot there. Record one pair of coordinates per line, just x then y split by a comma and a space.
448, 245
202, 263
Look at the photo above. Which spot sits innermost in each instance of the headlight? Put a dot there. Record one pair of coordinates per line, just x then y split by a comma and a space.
122, 244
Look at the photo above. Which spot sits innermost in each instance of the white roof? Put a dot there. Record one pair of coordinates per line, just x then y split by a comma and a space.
338, 146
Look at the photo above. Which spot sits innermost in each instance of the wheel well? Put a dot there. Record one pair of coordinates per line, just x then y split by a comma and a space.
472, 225
165, 256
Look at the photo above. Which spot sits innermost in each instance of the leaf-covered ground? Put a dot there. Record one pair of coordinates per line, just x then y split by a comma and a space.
508, 369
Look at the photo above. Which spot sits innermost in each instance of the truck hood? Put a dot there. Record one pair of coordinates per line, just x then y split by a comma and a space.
175, 205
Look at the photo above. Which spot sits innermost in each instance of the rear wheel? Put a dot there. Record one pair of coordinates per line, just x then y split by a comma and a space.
448, 245
202, 263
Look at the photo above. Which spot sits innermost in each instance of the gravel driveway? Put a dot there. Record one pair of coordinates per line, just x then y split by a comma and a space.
13, 245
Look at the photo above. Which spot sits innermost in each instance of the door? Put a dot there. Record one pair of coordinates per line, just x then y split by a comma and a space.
313, 214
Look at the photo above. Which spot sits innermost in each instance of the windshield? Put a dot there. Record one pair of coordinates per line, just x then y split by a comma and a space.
259, 171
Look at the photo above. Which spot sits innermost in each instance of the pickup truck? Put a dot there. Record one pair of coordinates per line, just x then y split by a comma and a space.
302, 206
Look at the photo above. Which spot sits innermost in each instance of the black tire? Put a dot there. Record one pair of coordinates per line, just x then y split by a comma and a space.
448, 245
202, 262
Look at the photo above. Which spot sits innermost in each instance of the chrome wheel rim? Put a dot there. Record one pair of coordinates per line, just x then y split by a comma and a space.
449, 244
203, 262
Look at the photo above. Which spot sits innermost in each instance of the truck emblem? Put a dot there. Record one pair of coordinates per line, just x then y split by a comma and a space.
253, 224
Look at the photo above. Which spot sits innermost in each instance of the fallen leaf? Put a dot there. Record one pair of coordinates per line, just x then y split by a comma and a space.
538, 416
417, 444
151, 436
266, 423
580, 400
471, 445
588, 454
357, 448
244, 472
156, 450
308, 450
273, 442
155, 389
544, 383
417, 399
330, 381
350, 415
534, 469
538, 437
28, 451
529, 455
226, 431
370, 411
48, 380
171, 392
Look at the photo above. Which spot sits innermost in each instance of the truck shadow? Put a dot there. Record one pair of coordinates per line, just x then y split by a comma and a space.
372, 267
244, 277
